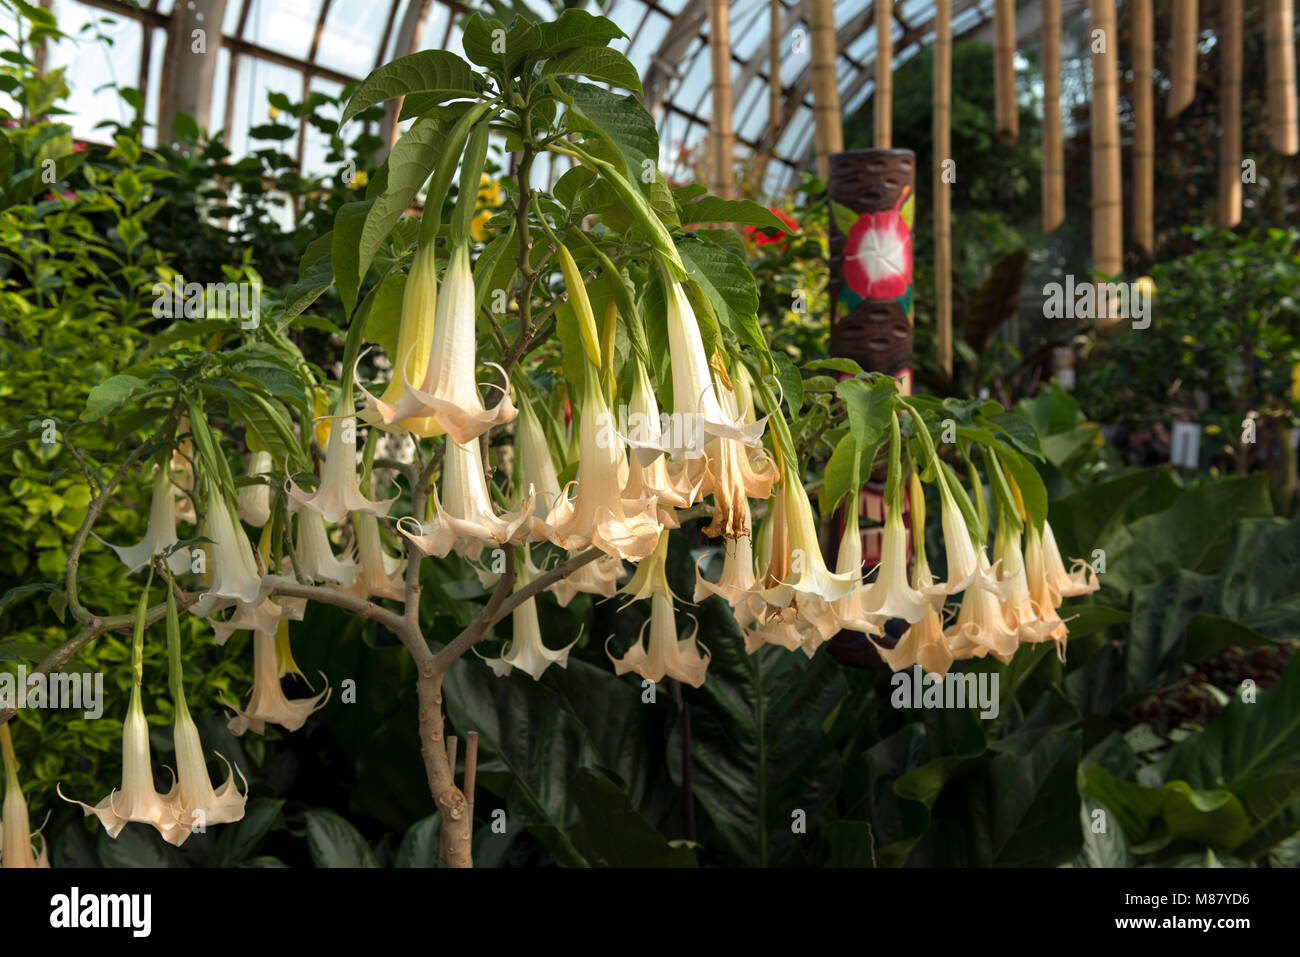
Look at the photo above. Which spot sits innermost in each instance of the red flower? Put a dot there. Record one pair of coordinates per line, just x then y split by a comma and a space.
763, 237
878, 256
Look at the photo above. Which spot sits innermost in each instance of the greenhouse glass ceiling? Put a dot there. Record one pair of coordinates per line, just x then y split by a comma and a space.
296, 47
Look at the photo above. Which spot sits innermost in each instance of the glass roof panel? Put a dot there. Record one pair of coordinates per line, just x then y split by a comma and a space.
287, 28
353, 30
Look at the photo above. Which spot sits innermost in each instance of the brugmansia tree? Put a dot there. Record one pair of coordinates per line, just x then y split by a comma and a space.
547, 393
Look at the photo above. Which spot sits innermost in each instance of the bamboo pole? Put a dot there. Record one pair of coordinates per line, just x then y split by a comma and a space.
1107, 231
1182, 71
941, 112
723, 165
826, 91
1143, 128
1229, 198
1005, 109
883, 98
1053, 140
1283, 127
774, 37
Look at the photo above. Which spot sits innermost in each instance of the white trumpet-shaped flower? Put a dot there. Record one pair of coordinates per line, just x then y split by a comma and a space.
235, 573
414, 345
339, 492
1080, 580
1022, 612
890, 595
160, 534
255, 500
450, 391
648, 472
137, 800
736, 584
536, 467
465, 518
315, 558
527, 651
968, 566
195, 800
665, 655
981, 626
380, 574
268, 704
262, 616
733, 474
598, 514
852, 608
15, 824
1042, 591
696, 402
797, 572
594, 578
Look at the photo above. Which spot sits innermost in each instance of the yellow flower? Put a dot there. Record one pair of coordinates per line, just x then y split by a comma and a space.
1212, 430
1146, 285
1189, 341
273, 112
359, 179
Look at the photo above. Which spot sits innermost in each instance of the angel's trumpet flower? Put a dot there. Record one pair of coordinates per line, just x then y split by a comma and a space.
264, 616
852, 608
1080, 580
648, 472
450, 392
594, 578
465, 518
968, 566
381, 573
1044, 594
981, 626
890, 595
695, 400
414, 344
255, 500
527, 651
268, 703
736, 585
15, 826
665, 656
339, 492
732, 475
797, 574
1022, 612
161, 532
315, 556
598, 514
196, 802
536, 467
235, 572
137, 800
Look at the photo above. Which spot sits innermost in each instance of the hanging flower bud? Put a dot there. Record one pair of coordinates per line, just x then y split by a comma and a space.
381, 574
1081, 580
15, 825
234, 569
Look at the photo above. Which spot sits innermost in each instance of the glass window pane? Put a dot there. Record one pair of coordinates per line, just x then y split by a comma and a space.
286, 28
350, 41
153, 95
103, 52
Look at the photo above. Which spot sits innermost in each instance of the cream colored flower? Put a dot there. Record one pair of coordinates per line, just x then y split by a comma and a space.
665, 655
194, 799
981, 626
968, 566
1044, 594
339, 492
695, 401
255, 500
598, 514
536, 467
235, 573
315, 558
450, 391
137, 800
15, 826
594, 578
527, 651
268, 703
381, 573
414, 345
890, 595
160, 533
1081, 580
465, 518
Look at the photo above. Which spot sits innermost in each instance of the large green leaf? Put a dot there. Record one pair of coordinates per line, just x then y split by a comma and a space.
620, 119
727, 283
345, 249
757, 750
596, 63
612, 833
334, 842
433, 73
409, 165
